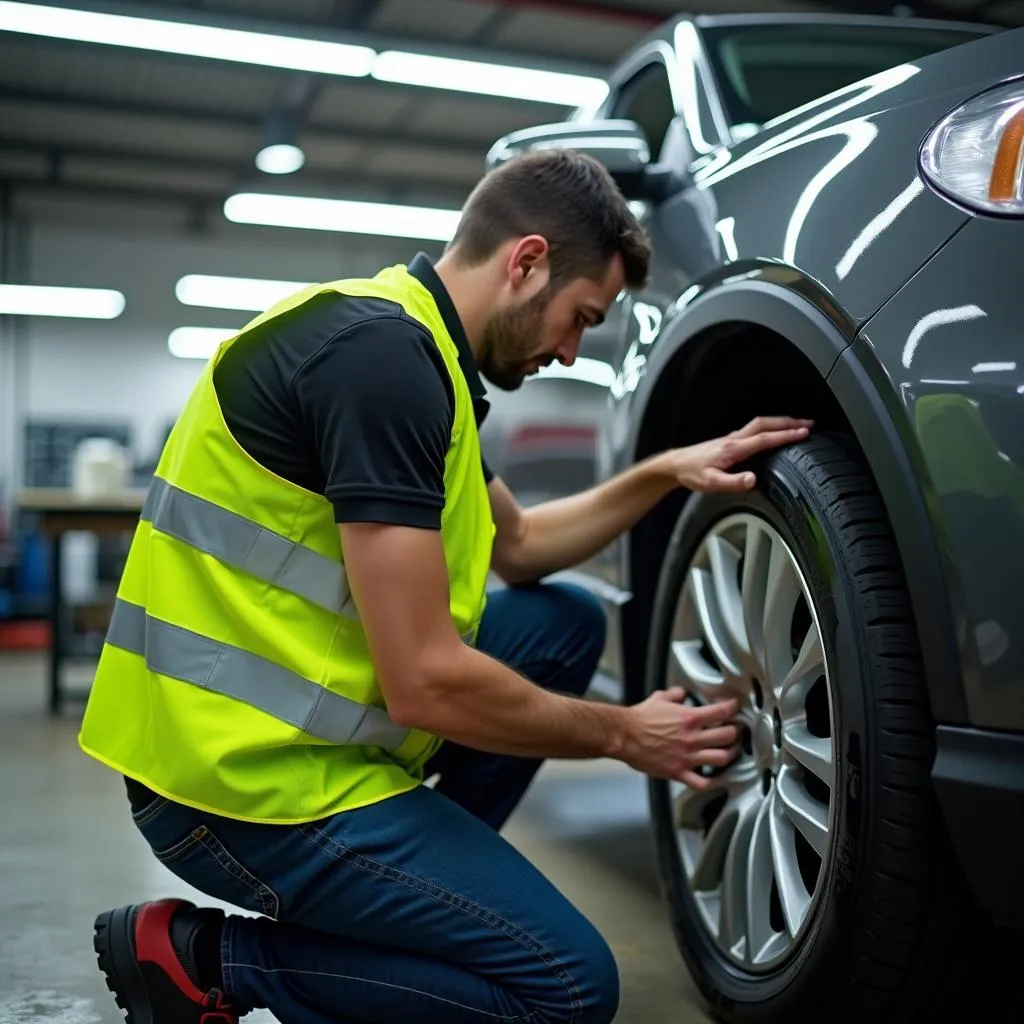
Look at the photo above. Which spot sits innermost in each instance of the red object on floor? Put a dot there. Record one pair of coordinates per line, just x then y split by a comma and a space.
25, 635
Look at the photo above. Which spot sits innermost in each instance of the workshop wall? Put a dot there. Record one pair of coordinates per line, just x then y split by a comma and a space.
103, 370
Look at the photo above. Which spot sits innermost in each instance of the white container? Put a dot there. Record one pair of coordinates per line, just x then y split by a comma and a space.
100, 468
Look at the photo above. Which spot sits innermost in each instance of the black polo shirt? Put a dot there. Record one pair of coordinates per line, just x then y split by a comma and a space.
349, 397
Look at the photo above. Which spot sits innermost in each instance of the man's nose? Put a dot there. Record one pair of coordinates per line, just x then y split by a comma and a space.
566, 352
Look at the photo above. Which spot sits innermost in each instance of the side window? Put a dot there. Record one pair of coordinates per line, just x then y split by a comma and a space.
647, 99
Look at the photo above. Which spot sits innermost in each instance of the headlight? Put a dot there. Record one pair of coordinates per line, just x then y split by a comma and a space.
976, 153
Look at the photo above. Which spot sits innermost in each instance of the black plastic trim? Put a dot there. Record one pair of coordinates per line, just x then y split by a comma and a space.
818, 331
979, 782
823, 334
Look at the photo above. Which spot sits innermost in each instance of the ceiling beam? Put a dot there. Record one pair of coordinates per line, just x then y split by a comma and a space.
320, 32
317, 130
58, 154
211, 203
635, 15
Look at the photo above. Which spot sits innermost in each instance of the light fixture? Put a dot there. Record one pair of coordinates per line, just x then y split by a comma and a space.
459, 75
248, 293
318, 56
43, 300
280, 158
345, 215
280, 153
197, 342
189, 39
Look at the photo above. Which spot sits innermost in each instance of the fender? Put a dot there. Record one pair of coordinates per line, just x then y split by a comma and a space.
807, 317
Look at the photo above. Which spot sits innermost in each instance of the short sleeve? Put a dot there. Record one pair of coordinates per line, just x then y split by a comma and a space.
378, 405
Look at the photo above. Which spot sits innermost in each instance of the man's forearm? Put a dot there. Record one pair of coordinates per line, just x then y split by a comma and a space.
481, 703
564, 532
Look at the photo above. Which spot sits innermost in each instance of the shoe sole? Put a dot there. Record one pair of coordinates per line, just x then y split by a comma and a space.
114, 942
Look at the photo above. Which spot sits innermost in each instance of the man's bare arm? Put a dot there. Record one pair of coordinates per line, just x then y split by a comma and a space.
433, 681
534, 542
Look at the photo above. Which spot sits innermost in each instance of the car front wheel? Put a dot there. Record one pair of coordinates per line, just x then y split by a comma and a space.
809, 881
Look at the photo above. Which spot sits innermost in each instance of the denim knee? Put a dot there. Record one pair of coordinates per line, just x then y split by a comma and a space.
585, 619
598, 984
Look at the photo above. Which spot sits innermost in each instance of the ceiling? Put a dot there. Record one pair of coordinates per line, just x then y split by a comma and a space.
112, 132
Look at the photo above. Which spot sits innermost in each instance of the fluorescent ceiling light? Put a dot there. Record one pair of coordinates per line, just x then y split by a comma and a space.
325, 58
313, 55
280, 159
39, 300
197, 342
248, 293
342, 215
488, 79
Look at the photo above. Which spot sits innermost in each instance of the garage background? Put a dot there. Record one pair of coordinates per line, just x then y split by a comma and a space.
116, 166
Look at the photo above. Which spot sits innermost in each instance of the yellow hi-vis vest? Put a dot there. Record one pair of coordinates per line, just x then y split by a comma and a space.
236, 676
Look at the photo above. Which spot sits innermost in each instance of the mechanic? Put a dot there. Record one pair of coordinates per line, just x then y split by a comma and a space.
303, 639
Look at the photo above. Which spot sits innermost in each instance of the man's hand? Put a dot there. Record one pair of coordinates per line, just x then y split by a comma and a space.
668, 740
704, 467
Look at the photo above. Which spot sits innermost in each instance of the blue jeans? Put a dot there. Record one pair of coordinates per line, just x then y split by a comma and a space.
415, 908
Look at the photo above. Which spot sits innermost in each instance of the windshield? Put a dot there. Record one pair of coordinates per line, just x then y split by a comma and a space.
767, 70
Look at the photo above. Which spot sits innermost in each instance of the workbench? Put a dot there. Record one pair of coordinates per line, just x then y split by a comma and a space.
60, 510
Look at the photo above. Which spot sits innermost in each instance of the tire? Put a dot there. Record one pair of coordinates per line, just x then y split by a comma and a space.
885, 906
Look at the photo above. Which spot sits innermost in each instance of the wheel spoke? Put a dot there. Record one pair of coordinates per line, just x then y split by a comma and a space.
793, 895
745, 854
698, 675
781, 593
725, 561
809, 665
813, 752
774, 947
756, 558
732, 912
706, 603
758, 885
707, 872
688, 806
806, 813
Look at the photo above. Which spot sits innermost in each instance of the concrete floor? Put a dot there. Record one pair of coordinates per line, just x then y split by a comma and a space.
68, 850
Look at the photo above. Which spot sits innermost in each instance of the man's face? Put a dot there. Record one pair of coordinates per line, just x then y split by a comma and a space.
519, 339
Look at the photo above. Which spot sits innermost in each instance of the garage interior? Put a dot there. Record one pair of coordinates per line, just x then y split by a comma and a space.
133, 171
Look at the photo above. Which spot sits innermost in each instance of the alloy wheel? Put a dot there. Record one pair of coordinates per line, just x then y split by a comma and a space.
754, 846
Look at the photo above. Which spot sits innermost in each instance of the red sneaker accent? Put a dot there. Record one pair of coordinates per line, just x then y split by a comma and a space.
153, 945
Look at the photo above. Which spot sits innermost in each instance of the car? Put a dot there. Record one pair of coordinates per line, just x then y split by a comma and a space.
835, 204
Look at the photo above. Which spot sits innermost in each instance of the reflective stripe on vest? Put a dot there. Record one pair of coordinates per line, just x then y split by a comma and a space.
181, 654
239, 542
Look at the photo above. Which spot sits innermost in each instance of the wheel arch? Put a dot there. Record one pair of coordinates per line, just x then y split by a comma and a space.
776, 350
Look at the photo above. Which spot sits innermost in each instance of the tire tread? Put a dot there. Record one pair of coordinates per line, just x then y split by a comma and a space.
889, 961
903, 876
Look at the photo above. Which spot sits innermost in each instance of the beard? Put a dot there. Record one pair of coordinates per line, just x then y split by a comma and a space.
509, 337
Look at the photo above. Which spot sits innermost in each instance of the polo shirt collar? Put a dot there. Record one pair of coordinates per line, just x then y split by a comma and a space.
423, 270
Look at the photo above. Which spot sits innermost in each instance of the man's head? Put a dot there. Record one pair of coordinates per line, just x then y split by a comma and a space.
559, 242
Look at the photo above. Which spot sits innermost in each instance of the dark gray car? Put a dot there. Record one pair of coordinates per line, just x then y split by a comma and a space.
836, 206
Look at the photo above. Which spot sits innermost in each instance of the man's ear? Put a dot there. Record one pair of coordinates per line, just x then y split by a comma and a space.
528, 261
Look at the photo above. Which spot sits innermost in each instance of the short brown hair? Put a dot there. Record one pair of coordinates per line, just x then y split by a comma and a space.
570, 199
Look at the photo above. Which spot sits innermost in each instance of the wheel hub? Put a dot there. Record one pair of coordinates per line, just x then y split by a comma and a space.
746, 626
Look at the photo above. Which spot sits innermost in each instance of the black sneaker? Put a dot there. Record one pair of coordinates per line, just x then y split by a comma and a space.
149, 955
